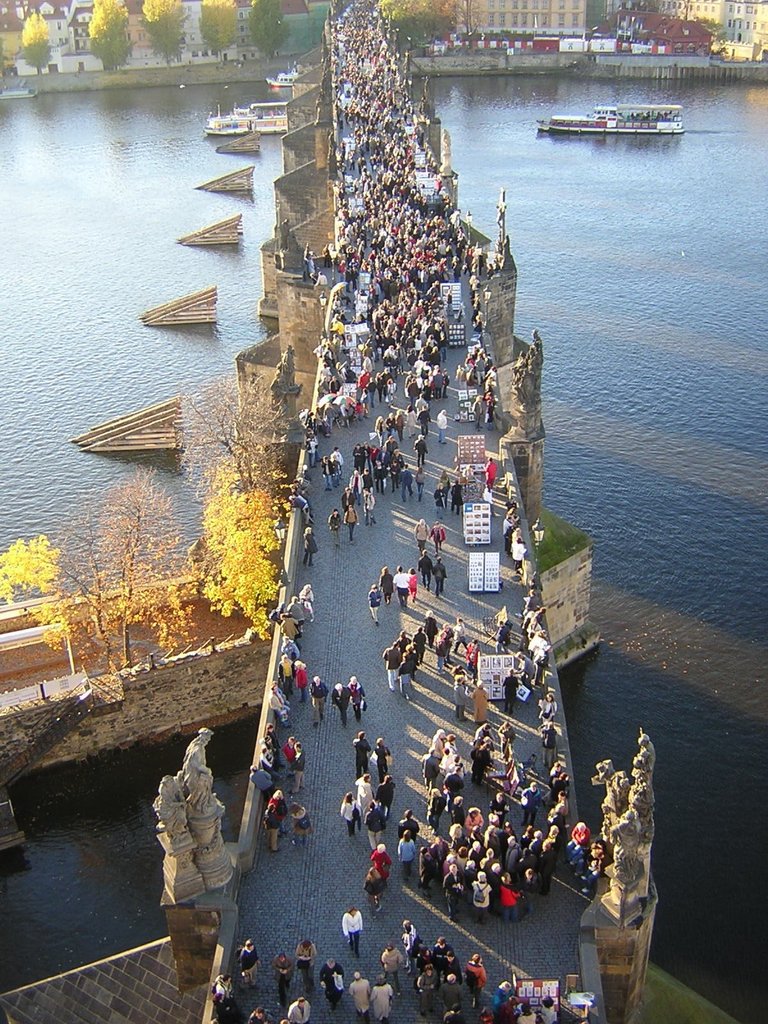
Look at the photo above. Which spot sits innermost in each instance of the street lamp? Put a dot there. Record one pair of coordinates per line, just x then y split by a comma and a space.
538, 533
281, 530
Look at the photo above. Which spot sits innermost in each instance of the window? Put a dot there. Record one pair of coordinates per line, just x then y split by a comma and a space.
491, 21
514, 20
502, 21
502, 4
562, 5
523, 20
575, 21
561, 20
535, 5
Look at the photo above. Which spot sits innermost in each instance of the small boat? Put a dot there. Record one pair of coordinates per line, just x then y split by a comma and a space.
619, 119
266, 118
283, 80
20, 91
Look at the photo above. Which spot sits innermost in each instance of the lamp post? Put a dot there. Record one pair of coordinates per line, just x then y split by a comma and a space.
281, 531
538, 534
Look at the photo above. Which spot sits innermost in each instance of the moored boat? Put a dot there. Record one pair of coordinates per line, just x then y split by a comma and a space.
265, 118
19, 91
619, 119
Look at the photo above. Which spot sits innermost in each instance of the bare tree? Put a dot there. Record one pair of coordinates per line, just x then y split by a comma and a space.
227, 423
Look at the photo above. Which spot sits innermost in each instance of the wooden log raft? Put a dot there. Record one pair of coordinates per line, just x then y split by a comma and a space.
158, 427
197, 308
250, 143
223, 232
236, 181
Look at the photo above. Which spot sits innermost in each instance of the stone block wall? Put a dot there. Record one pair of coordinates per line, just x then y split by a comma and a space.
566, 591
299, 147
201, 690
301, 321
302, 194
302, 109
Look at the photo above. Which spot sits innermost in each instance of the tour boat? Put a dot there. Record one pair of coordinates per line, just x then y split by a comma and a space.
619, 119
265, 118
283, 80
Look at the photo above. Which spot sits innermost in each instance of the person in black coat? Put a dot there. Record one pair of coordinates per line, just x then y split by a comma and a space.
457, 498
385, 794
332, 982
362, 752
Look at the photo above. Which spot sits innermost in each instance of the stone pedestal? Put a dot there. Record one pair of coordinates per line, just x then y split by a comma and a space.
194, 932
623, 954
210, 856
182, 878
528, 457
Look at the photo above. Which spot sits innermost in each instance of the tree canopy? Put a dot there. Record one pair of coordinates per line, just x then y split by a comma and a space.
422, 19
108, 30
218, 24
238, 570
34, 42
118, 569
165, 24
268, 28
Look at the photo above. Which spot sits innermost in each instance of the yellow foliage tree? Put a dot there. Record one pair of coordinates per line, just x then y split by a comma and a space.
120, 569
420, 18
34, 41
238, 570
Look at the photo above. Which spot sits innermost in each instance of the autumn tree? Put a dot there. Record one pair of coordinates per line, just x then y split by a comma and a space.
119, 569
218, 24
108, 30
716, 30
420, 19
268, 29
225, 423
165, 24
34, 41
237, 569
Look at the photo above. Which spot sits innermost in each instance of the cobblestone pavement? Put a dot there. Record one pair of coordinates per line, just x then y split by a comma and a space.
303, 891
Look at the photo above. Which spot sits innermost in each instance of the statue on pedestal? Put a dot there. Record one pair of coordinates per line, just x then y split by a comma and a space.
525, 397
189, 827
446, 167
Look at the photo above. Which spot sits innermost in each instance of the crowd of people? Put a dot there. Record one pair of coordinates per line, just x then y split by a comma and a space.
474, 857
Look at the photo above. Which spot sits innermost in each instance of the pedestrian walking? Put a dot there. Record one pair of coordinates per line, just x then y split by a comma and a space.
382, 755
426, 985
386, 584
382, 997
340, 698
310, 546
248, 961
374, 885
481, 896
437, 536
334, 525
360, 990
392, 960
352, 927
375, 823
302, 826
385, 794
369, 505
425, 567
530, 800
362, 753
392, 657
440, 575
332, 982
306, 953
374, 602
406, 853
350, 813
299, 767
357, 698
282, 965
413, 584
400, 581
299, 1012
319, 692
351, 520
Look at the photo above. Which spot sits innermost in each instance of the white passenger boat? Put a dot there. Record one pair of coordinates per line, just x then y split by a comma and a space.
619, 119
265, 118
18, 91
283, 80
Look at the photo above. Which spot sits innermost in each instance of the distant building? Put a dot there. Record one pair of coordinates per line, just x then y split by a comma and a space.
531, 17
11, 27
646, 28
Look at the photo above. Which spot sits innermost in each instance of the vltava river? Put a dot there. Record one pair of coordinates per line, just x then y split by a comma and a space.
642, 263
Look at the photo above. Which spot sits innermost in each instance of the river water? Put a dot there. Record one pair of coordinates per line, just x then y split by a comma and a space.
641, 262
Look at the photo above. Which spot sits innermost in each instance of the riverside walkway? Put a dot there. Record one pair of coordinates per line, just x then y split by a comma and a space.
302, 892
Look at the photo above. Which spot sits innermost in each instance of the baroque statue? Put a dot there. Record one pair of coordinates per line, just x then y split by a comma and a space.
526, 382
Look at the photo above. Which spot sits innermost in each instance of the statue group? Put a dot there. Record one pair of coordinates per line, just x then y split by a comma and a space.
189, 827
628, 826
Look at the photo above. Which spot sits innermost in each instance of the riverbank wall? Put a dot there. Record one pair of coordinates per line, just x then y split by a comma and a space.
597, 66
144, 705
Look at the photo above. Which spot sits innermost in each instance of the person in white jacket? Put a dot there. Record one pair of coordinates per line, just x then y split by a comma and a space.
352, 926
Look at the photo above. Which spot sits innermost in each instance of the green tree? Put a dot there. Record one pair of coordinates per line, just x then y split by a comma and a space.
34, 42
109, 33
268, 29
165, 24
717, 30
218, 24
